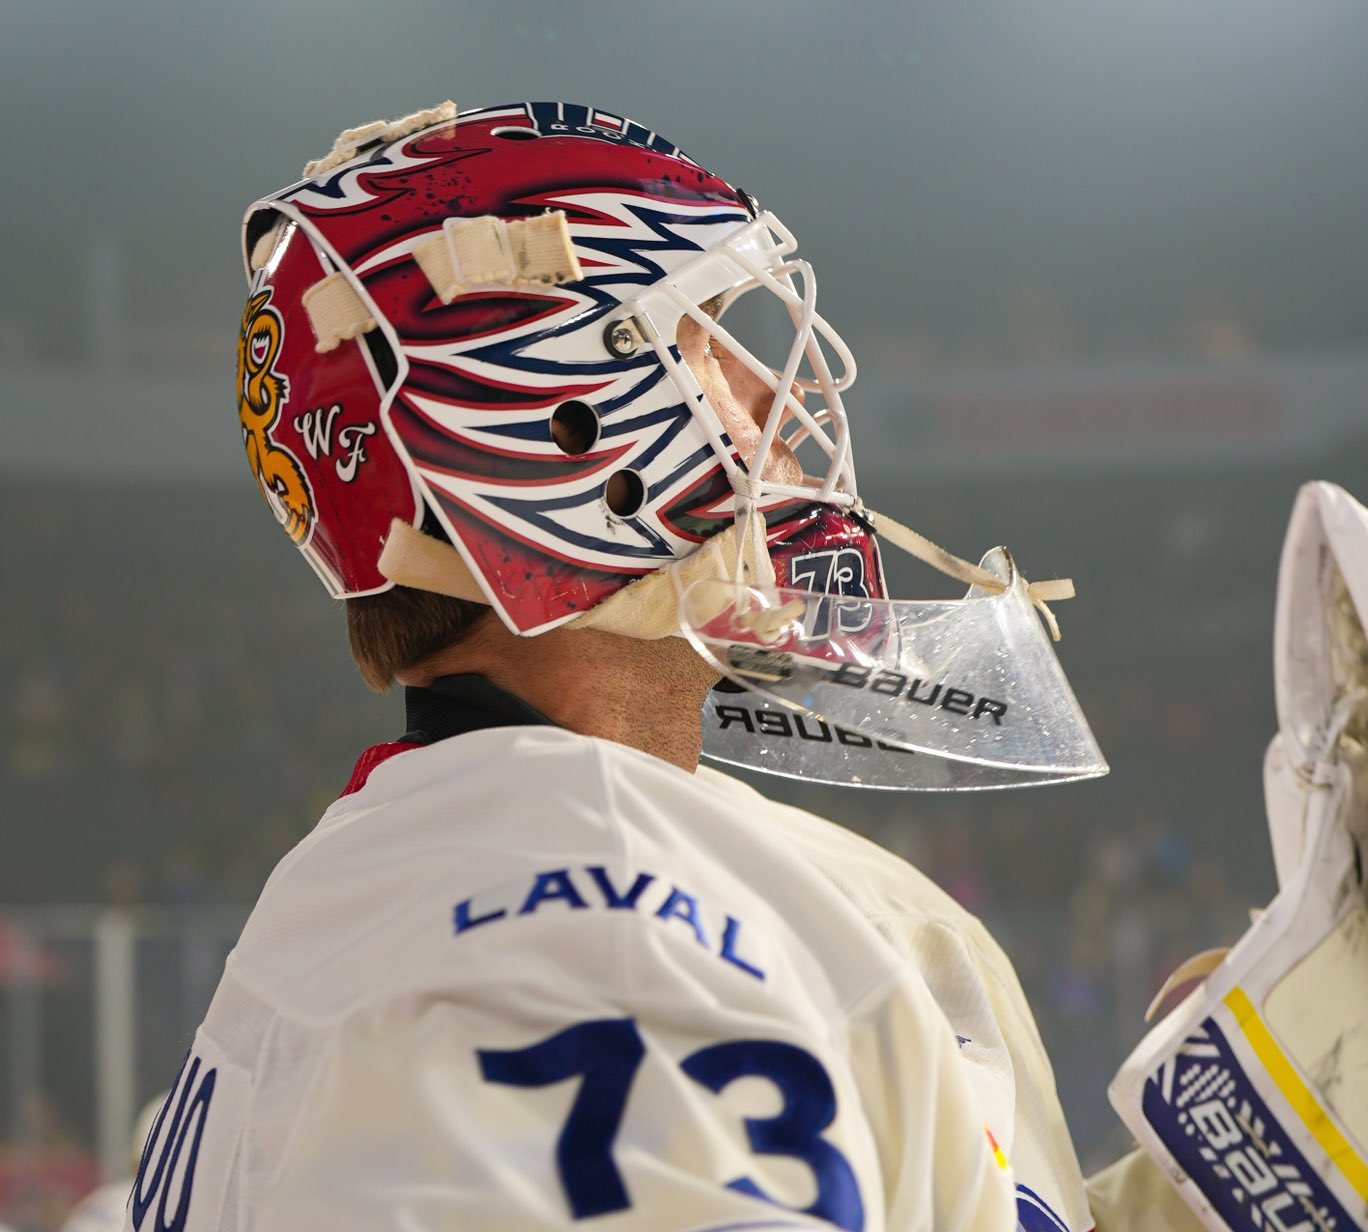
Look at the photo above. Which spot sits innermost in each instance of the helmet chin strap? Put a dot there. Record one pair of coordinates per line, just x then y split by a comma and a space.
768, 623
649, 607
752, 540
914, 544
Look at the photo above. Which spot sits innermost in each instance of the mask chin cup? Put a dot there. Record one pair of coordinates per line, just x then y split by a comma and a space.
932, 696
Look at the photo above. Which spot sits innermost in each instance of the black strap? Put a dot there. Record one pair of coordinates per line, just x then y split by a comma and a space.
454, 705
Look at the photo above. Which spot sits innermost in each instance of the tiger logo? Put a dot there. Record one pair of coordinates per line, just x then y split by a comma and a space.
261, 393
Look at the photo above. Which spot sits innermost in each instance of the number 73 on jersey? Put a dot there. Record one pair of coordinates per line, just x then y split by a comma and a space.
606, 1053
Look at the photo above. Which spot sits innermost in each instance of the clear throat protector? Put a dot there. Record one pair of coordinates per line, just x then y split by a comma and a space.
932, 695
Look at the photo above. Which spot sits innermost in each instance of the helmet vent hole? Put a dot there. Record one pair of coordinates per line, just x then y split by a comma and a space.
517, 133
575, 427
625, 493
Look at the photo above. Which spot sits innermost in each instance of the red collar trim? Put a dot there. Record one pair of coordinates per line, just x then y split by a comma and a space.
371, 758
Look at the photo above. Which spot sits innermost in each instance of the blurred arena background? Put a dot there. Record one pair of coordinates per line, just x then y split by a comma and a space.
1102, 264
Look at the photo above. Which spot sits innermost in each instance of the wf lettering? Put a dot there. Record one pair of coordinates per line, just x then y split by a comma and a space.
316, 429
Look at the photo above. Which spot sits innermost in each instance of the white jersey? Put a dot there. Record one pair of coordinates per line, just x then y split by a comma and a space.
528, 979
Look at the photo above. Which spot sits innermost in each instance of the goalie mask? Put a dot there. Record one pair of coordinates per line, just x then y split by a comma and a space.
437, 330
460, 369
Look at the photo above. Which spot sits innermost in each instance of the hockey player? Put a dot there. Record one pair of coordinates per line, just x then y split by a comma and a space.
536, 967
